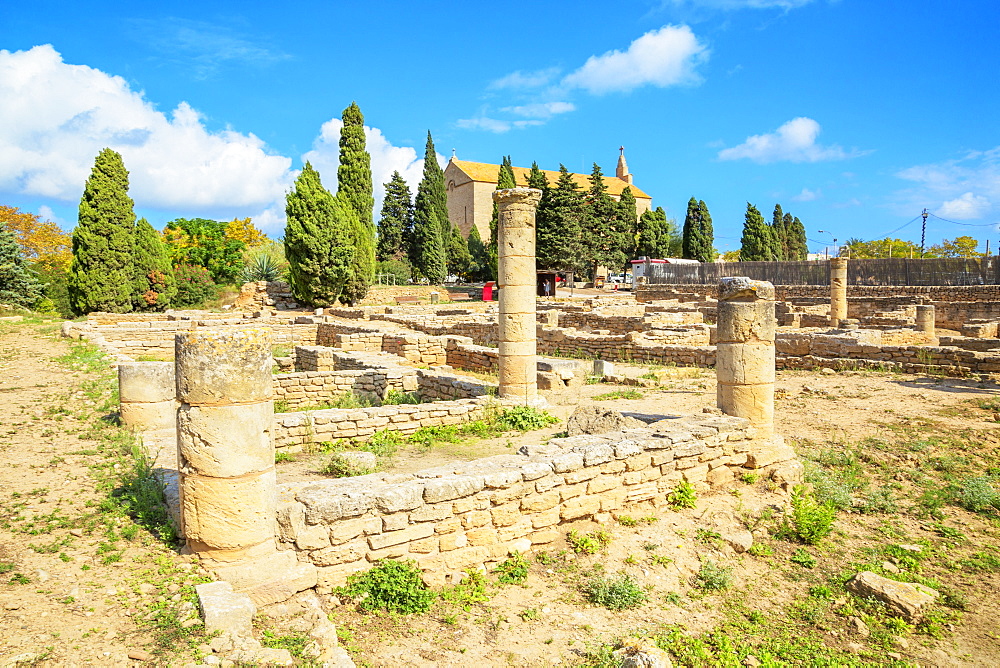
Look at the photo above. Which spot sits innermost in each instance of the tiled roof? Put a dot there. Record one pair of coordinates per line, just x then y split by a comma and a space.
487, 173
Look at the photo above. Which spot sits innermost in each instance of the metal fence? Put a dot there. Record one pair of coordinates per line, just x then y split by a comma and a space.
883, 271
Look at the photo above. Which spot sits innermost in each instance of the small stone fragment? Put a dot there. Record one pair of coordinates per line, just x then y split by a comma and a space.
904, 599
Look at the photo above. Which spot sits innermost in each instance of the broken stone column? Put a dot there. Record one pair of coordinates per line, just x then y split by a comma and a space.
838, 290
925, 320
147, 395
225, 450
744, 359
517, 281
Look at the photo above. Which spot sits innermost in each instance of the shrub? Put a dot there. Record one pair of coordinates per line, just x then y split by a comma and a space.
395, 586
394, 397
978, 494
588, 543
194, 285
682, 496
524, 418
803, 558
472, 589
713, 577
812, 521
620, 592
384, 443
260, 267
342, 466
513, 570
393, 272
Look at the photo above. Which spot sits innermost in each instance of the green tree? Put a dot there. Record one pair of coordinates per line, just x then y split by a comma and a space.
757, 243
354, 188
317, 240
155, 285
431, 228
603, 226
657, 236
505, 179
879, 248
780, 232
698, 235
102, 272
479, 261
459, 258
18, 284
396, 222
204, 243
559, 225
798, 244
962, 246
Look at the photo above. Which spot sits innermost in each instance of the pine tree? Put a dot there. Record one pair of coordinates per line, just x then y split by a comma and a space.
396, 222
798, 238
559, 225
626, 230
354, 188
780, 234
757, 243
102, 272
657, 236
459, 258
318, 246
608, 226
155, 285
18, 284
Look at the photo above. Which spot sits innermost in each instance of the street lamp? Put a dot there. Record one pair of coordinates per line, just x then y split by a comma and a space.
837, 248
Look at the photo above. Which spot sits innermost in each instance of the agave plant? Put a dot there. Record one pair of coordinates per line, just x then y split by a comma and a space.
260, 267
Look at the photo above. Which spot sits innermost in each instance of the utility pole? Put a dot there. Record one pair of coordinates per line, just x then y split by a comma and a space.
923, 232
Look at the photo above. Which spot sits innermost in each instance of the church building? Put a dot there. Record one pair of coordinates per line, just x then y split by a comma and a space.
471, 184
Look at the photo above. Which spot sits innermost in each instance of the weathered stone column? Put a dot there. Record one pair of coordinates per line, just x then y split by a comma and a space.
147, 395
517, 280
744, 359
225, 450
838, 290
925, 320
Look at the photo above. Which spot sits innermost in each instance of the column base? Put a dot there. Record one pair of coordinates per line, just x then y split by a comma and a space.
268, 579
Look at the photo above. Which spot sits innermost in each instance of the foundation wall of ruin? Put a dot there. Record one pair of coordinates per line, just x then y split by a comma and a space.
475, 514
156, 338
310, 388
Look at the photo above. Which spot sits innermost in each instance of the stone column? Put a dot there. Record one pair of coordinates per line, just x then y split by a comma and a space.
517, 281
838, 290
744, 359
147, 394
225, 450
926, 320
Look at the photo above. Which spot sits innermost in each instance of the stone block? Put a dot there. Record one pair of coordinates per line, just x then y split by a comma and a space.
544, 536
224, 610
242, 433
506, 515
546, 518
571, 461
452, 541
313, 537
603, 484
431, 512
341, 554
476, 518
391, 552
229, 513
466, 557
539, 502
765, 453
445, 489
572, 491
390, 538
482, 536
581, 475
407, 496
580, 507
395, 522
904, 599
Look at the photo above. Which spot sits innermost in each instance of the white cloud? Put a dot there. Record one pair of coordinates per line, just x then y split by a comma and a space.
385, 159
56, 117
496, 125
795, 141
521, 79
965, 207
541, 109
807, 195
964, 188
665, 57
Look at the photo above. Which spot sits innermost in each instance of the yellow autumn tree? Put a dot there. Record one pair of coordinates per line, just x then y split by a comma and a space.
242, 229
42, 242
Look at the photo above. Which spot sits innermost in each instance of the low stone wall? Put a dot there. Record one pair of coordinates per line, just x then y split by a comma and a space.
947, 293
310, 388
474, 514
264, 295
295, 431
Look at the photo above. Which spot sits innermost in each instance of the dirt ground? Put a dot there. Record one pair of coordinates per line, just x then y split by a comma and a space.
83, 582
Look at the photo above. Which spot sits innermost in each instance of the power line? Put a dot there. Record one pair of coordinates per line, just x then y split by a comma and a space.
955, 222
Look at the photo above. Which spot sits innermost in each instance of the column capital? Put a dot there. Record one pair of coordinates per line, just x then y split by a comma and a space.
509, 196
741, 288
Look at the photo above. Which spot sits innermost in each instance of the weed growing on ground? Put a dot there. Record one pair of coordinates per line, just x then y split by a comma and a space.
713, 577
394, 586
395, 397
282, 457
588, 543
803, 558
620, 592
513, 570
341, 466
523, 418
295, 644
472, 589
811, 521
978, 494
619, 394
682, 496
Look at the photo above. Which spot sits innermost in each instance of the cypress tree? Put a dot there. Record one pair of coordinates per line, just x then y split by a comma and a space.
757, 243
657, 236
459, 258
780, 234
396, 222
354, 188
707, 234
505, 179
102, 273
18, 284
478, 256
155, 286
317, 240
430, 243
559, 225
797, 233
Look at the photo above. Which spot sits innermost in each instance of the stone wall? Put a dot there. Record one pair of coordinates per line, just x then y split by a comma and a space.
264, 296
310, 388
474, 514
297, 431
932, 293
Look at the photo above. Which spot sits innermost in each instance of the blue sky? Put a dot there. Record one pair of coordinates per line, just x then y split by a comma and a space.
853, 115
